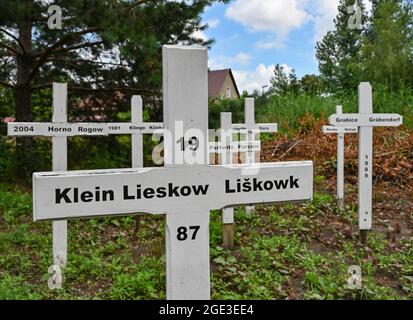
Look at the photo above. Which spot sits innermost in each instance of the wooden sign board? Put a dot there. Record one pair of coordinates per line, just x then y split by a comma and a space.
257, 128
54, 129
339, 130
237, 146
366, 120
83, 194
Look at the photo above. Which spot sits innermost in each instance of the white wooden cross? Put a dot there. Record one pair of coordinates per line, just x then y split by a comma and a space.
251, 132
59, 130
184, 191
340, 131
365, 120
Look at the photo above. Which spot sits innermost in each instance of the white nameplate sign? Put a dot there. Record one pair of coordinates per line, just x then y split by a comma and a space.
339, 130
237, 146
55, 129
258, 128
132, 128
160, 190
366, 120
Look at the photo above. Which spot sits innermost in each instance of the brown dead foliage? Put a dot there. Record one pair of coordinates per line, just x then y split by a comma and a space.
393, 151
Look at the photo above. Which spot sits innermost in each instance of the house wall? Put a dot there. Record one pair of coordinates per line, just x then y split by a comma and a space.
228, 84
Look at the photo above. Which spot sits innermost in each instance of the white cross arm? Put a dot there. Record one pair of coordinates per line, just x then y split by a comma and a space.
332, 129
132, 128
259, 127
65, 195
54, 129
238, 146
366, 120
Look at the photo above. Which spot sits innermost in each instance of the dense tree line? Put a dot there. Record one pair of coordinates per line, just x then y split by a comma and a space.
375, 47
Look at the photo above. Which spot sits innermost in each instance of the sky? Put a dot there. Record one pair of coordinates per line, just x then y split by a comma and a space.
252, 36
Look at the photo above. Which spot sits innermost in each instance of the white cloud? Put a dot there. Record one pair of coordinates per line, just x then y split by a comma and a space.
224, 62
325, 12
278, 17
242, 58
199, 35
216, 64
255, 80
213, 23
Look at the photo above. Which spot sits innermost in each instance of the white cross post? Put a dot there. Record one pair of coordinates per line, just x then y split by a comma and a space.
253, 134
340, 131
366, 120
59, 159
227, 213
186, 189
59, 130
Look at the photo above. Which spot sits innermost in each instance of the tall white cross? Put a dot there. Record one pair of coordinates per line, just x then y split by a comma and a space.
184, 191
59, 130
252, 131
340, 131
365, 120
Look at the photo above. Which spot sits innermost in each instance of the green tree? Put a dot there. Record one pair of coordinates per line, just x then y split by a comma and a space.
104, 47
388, 46
311, 84
280, 81
339, 52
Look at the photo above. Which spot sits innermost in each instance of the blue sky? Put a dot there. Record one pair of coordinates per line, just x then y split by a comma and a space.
252, 36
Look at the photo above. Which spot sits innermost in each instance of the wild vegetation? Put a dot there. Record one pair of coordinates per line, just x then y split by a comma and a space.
282, 252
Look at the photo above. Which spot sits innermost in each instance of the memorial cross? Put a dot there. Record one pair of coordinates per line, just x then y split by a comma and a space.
365, 120
186, 189
59, 130
340, 131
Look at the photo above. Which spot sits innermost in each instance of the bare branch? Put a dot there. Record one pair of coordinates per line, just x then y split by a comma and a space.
79, 46
12, 50
14, 38
46, 53
6, 84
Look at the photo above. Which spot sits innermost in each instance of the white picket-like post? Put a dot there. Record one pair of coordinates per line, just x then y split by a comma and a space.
250, 156
340, 165
227, 158
365, 159
137, 138
185, 90
59, 152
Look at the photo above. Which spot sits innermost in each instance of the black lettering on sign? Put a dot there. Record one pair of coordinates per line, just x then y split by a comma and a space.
72, 195
24, 129
182, 232
170, 191
246, 185
192, 143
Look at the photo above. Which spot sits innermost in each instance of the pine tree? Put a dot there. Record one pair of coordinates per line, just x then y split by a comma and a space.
103, 47
338, 53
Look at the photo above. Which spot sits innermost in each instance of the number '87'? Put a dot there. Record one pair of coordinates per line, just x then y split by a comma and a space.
182, 233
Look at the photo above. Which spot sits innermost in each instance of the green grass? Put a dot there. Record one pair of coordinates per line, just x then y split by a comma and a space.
278, 255
287, 110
